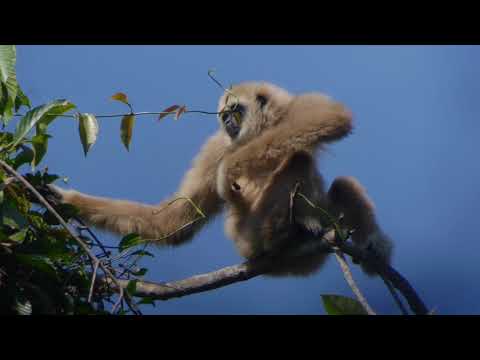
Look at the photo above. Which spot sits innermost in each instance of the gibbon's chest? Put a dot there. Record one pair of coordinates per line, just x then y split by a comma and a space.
239, 191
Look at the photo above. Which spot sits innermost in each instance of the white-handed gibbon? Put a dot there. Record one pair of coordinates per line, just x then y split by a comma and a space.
265, 146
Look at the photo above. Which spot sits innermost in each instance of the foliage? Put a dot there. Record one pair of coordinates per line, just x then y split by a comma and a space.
43, 270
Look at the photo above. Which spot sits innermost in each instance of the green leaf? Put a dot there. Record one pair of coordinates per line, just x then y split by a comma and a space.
129, 241
147, 301
8, 58
41, 116
11, 216
40, 145
66, 211
140, 272
9, 93
8, 82
23, 306
5, 139
88, 129
132, 286
142, 253
34, 179
342, 305
21, 100
19, 237
120, 97
84, 309
38, 262
49, 178
25, 156
126, 130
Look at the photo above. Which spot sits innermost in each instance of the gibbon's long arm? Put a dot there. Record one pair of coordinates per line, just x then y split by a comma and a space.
170, 222
312, 119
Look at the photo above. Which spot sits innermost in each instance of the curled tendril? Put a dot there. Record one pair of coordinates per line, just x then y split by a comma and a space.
230, 93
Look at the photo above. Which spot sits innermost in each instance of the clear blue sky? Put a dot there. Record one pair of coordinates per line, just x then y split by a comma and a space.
417, 123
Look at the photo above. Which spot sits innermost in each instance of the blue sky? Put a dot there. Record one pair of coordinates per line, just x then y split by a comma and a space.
416, 112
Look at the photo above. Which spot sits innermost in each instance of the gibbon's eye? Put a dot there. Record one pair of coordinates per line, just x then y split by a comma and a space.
262, 100
225, 115
238, 108
232, 119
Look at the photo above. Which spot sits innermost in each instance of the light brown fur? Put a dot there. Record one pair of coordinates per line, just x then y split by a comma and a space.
252, 176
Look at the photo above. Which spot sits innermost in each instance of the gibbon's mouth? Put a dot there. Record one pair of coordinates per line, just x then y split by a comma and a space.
231, 126
232, 120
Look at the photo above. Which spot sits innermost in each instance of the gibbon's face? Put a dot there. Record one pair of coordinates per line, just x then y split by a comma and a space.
248, 108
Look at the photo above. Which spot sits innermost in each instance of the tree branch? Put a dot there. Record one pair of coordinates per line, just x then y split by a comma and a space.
351, 282
262, 265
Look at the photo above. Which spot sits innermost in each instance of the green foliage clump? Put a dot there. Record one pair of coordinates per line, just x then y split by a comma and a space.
43, 268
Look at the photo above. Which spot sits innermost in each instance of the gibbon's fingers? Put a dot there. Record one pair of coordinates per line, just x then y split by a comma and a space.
346, 195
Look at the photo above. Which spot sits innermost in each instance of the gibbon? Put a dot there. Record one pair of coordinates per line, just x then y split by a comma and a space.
264, 147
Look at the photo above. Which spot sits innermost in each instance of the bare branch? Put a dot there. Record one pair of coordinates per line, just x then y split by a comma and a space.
351, 282
262, 265
397, 280
95, 268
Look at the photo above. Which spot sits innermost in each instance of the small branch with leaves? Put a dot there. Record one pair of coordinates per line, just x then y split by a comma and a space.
95, 261
88, 127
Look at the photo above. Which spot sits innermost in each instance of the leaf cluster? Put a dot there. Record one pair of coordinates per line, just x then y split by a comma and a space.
43, 270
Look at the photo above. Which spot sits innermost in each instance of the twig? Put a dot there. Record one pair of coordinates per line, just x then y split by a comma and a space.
95, 268
395, 296
65, 225
397, 280
94, 237
140, 113
351, 282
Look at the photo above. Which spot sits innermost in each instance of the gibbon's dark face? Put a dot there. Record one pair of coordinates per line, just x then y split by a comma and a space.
232, 119
248, 108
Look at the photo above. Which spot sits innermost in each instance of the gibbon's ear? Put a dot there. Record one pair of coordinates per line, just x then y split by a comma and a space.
262, 100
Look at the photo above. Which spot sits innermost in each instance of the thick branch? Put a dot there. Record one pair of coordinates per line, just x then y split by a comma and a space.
250, 269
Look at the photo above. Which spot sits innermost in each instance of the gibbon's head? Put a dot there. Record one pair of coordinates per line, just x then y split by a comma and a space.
248, 108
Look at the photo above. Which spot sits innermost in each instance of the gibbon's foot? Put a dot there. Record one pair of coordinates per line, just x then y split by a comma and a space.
381, 247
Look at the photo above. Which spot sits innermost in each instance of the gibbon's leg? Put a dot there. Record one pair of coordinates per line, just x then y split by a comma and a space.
311, 120
346, 195
161, 223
